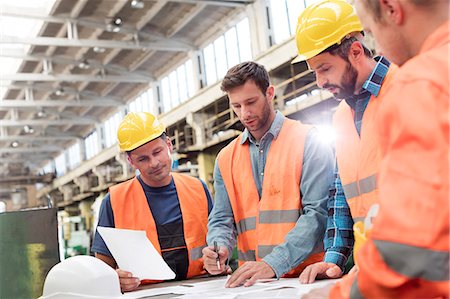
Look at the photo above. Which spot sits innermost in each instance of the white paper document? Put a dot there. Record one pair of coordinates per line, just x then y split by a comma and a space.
217, 287
285, 288
134, 252
153, 292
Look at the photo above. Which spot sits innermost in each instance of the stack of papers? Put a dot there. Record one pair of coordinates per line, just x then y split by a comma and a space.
133, 252
284, 288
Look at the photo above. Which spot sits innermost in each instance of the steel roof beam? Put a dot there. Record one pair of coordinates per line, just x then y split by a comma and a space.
91, 43
67, 89
57, 103
226, 3
65, 60
183, 21
78, 78
48, 122
12, 12
18, 150
41, 157
32, 138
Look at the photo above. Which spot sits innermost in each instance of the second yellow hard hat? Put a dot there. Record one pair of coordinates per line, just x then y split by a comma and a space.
322, 25
138, 128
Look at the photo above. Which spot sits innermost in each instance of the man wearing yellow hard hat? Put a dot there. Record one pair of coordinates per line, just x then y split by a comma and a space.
407, 254
329, 38
172, 208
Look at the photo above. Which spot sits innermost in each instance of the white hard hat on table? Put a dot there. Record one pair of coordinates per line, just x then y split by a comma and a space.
81, 276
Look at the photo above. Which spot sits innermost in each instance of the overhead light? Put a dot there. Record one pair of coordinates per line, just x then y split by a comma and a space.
27, 129
60, 91
14, 144
112, 28
41, 114
84, 64
114, 25
99, 49
117, 21
138, 4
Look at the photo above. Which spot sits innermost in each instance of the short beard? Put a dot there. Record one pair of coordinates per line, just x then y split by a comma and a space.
264, 117
347, 84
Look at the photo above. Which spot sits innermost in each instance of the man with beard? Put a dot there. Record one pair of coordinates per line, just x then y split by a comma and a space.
271, 185
329, 39
172, 208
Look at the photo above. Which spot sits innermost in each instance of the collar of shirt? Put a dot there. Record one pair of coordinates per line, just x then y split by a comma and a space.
372, 85
274, 129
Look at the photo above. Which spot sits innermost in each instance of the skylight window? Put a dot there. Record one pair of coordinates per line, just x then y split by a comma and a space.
12, 25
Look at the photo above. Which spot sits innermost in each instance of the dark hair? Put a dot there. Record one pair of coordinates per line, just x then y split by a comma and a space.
343, 48
163, 136
239, 74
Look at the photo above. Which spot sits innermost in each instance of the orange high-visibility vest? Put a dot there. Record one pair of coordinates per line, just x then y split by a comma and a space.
263, 224
407, 253
358, 157
131, 211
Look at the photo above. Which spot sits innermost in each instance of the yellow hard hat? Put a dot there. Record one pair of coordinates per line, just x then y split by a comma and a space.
322, 25
138, 128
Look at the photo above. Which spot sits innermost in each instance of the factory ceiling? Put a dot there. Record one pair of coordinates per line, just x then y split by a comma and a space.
88, 58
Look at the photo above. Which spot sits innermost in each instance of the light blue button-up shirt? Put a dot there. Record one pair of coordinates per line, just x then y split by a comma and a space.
317, 176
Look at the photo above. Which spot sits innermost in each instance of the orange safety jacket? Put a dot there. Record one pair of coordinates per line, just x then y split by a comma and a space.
262, 224
131, 211
358, 157
407, 253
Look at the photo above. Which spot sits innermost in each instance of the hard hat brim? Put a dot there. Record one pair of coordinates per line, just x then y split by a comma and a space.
305, 56
298, 59
144, 141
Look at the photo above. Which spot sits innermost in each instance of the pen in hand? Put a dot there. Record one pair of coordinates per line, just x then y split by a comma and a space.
216, 250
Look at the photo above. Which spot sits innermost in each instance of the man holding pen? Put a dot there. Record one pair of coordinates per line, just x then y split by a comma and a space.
271, 187
216, 250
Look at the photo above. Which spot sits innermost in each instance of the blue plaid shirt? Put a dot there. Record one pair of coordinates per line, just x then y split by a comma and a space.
339, 235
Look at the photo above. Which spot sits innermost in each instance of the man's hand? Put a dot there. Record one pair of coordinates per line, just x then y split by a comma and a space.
320, 270
210, 260
251, 271
127, 281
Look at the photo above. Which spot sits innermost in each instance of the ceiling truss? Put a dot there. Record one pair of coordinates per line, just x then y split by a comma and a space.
65, 88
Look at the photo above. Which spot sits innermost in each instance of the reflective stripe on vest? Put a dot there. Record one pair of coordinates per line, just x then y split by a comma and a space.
362, 186
196, 253
401, 271
246, 225
280, 216
130, 196
246, 256
415, 262
263, 223
264, 250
